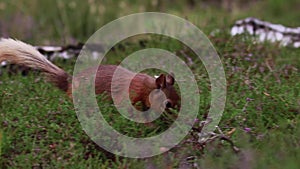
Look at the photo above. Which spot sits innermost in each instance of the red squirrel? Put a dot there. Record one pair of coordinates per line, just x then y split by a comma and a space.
142, 84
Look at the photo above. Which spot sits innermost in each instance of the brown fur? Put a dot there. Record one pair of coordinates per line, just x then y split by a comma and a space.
140, 87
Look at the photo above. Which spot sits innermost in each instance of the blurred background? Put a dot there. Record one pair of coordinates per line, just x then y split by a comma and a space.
63, 22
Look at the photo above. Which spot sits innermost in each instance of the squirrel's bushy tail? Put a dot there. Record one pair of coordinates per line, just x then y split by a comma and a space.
19, 53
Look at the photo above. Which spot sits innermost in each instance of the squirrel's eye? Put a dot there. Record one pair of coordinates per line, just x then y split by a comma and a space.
156, 91
168, 104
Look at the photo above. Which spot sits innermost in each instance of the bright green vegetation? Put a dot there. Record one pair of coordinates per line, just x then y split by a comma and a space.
39, 127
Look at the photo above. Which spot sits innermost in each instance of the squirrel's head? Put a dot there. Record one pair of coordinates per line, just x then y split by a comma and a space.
164, 96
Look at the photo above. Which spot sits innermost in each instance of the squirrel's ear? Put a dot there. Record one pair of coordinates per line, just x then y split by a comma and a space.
170, 79
160, 81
